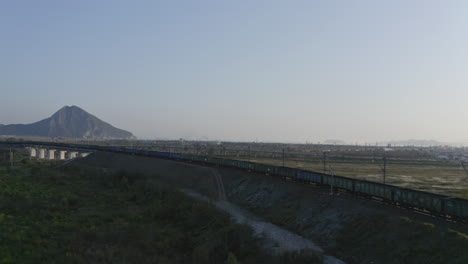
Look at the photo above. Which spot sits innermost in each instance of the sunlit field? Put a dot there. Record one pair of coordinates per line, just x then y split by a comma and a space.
432, 176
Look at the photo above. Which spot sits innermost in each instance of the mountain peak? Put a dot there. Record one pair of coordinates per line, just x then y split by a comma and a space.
67, 110
71, 108
69, 122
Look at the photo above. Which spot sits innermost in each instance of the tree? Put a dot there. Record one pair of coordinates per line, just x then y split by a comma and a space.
231, 259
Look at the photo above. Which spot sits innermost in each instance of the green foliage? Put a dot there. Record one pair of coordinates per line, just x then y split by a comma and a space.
401, 240
464, 194
231, 259
85, 215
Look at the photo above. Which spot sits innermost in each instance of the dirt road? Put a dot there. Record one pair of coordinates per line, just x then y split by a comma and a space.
279, 240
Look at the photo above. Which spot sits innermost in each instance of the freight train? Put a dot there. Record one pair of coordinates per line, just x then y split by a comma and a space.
452, 208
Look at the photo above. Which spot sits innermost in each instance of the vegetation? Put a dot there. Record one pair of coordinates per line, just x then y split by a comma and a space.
354, 230
78, 215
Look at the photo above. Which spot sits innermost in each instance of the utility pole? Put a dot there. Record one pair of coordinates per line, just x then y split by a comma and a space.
332, 179
283, 157
383, 168
464, 168
324, 162
11, 159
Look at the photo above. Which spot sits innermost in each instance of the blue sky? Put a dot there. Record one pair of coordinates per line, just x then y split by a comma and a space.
290, 71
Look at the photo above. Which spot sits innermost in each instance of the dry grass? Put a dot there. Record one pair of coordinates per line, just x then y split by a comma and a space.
437, 177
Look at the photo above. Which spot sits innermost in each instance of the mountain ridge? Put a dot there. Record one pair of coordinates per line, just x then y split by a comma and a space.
68, 122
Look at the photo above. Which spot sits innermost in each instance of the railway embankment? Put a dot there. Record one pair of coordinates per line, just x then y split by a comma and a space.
278, 240
352, 229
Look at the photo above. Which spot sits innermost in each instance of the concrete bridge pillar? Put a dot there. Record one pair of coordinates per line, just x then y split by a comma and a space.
72, 155
32, 152
42, 153
62, 154
51, 154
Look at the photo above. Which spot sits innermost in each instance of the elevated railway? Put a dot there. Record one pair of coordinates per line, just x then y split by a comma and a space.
451, 208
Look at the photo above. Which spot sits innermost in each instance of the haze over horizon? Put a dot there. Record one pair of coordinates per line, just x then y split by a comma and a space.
357, 71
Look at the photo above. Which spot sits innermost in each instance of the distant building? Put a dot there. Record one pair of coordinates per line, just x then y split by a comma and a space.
443, 156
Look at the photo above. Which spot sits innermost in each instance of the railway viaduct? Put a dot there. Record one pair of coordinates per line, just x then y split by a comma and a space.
45, 152
41, 152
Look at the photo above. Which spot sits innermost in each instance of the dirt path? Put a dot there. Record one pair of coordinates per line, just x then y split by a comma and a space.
279, 239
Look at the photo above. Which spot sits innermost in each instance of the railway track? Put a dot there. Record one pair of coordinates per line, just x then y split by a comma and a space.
453, 209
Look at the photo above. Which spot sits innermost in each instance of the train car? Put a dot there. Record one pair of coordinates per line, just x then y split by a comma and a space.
423, 201
263, 168
286, 172
234, 163
307, 177
154, 153
373, 189
199, 158
243, 165
343, 183
175, 156
338, 182
226, 162
456, 208
215, 161
113, 149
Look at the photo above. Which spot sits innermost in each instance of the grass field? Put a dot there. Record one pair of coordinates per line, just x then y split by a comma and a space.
432, 176
404, 169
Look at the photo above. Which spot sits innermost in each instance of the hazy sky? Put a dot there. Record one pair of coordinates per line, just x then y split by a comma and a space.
242, 70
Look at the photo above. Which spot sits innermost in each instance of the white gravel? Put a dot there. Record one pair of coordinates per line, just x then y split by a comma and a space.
280, 240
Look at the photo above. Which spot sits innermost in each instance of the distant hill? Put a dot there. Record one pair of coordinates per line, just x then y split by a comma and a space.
68, 122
